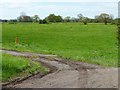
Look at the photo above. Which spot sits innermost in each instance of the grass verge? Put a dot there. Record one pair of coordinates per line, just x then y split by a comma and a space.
18, 67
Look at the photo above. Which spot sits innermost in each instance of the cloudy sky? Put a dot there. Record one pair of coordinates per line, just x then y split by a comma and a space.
11, 9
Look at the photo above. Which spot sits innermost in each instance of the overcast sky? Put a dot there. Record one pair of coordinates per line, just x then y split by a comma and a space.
11, 9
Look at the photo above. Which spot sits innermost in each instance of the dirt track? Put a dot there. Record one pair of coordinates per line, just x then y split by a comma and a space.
69, 74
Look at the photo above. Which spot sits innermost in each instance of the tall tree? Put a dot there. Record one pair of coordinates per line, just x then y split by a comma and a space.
97, 19
58, 18
104, 17
67, 19
53, 18
85, 20
80, 17
50, 18
35, 18
73, 19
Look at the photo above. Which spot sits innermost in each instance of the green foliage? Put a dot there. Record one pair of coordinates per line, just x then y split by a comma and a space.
104, 17
93, 43
43, 21
83, 19
53, 18
80, 16
12, 21
67, 19
35, 18
118, 21
15, 66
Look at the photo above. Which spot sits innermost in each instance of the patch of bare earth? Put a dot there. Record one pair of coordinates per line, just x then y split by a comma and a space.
67, 74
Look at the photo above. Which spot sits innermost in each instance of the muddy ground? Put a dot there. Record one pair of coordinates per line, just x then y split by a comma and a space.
67, 74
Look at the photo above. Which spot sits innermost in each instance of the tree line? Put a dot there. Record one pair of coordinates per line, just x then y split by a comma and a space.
52, 18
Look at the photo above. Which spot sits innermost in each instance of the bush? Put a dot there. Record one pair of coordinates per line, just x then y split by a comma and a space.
43, 21
12, 21
40, 21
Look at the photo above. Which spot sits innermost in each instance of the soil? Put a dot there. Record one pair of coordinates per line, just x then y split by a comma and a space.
67, 74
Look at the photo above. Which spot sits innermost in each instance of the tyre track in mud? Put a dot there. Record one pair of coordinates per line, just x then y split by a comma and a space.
67, 74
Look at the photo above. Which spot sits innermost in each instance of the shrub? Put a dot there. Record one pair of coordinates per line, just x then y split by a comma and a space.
43, 21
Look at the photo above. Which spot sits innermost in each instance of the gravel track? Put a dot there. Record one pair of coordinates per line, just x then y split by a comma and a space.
68, 74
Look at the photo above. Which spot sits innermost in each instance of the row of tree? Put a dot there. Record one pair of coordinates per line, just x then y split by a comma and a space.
52, 18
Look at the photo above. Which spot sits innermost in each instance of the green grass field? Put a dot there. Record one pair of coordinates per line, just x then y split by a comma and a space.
0, 66
92, 43
13, 67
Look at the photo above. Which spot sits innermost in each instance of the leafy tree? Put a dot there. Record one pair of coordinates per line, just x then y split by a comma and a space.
80, 17
97, 19
104, 17
50, 18
35, 18
73, 19
42, 21
53, 18
4, 20
12, 21
67, 19
85, 20
90, 20
58, 18
118, 25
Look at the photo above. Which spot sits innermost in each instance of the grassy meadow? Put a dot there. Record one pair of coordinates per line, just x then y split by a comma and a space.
13, 67
0, 66
92, 43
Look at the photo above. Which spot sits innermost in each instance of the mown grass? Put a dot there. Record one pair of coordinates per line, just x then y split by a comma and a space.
13, 67
0, 67
92, 43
